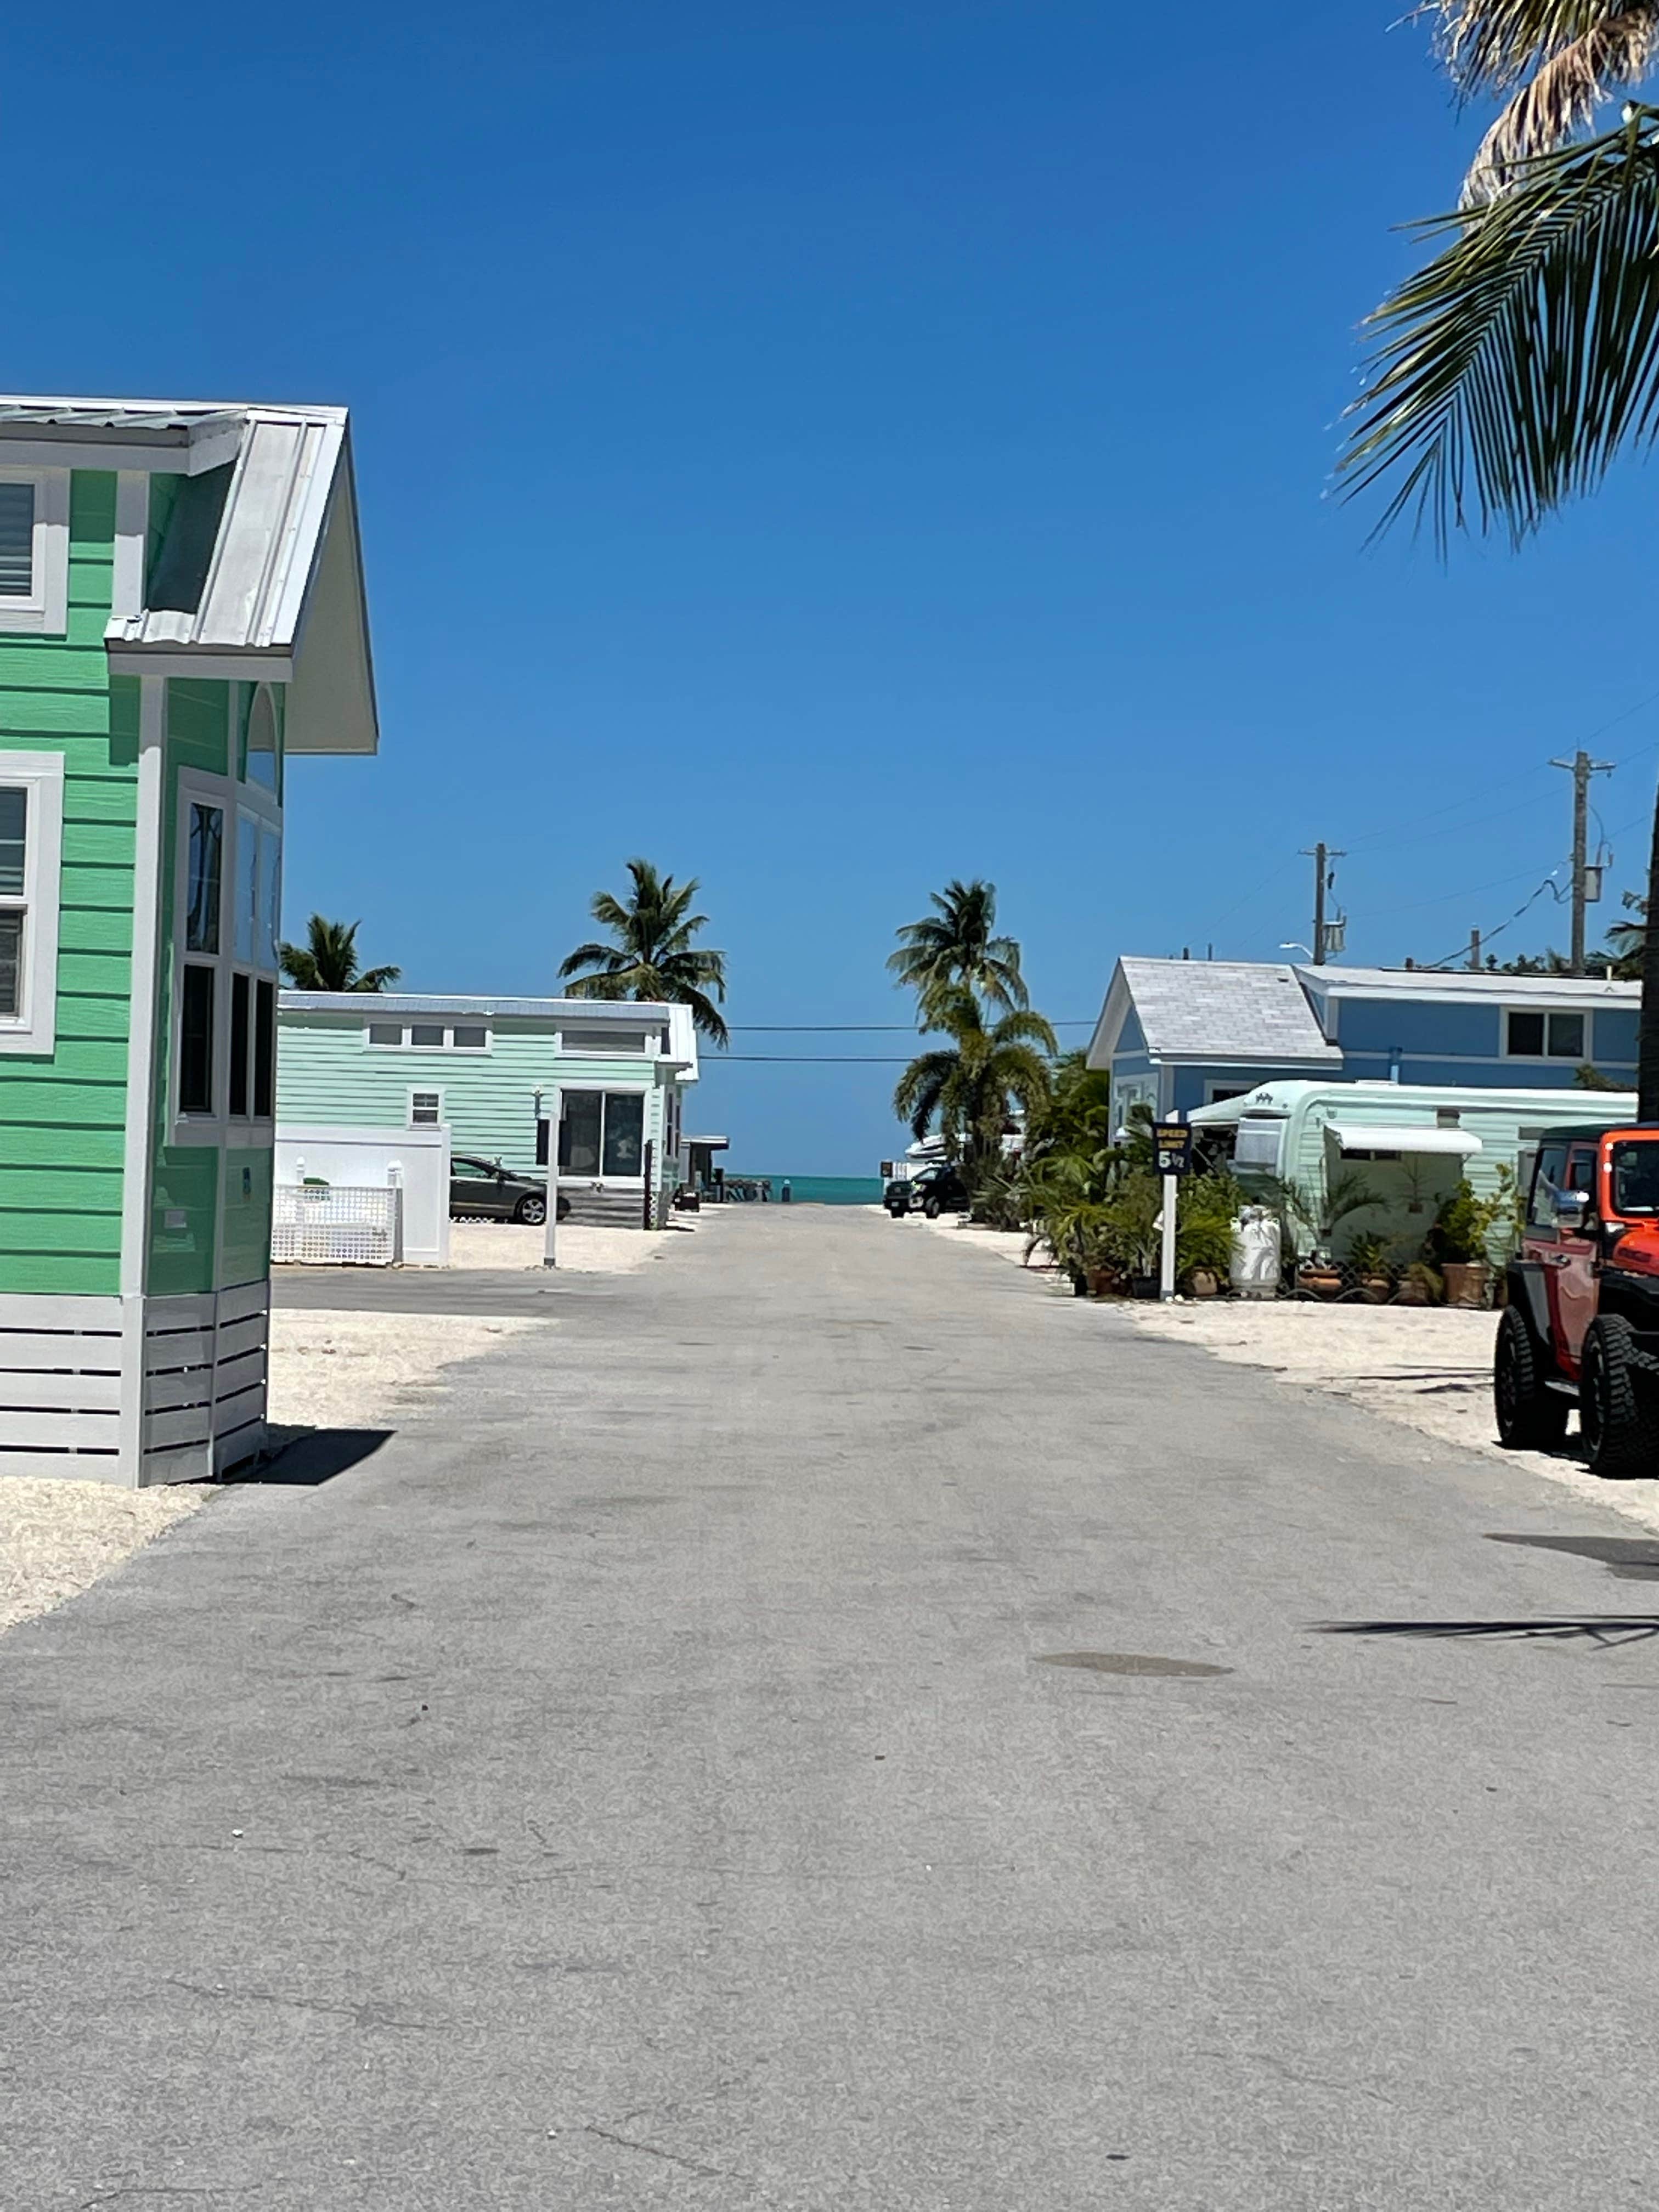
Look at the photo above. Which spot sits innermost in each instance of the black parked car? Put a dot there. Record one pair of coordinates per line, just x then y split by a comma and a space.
486, 1187
937, 1189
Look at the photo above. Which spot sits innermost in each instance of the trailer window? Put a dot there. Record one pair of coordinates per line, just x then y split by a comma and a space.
1636, 1178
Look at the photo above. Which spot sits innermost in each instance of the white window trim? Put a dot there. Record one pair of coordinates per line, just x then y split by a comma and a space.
424, 1091
44, 613
233, 798
650, 1046
1547, 1059
406, 1024
33, 1028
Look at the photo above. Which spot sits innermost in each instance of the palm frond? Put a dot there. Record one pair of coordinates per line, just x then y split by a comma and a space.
1510, 371
1490, 45
1567, 87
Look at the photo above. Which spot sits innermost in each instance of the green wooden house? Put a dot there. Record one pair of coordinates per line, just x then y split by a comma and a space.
181, 608
489, 1069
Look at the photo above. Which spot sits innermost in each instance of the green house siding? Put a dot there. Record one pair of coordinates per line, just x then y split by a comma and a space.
326, 1073
62, 1113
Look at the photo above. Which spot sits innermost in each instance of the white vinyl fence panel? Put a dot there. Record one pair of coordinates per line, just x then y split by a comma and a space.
336, 1225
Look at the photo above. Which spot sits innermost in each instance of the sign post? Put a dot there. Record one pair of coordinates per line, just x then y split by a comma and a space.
550, 1122
1172, 1148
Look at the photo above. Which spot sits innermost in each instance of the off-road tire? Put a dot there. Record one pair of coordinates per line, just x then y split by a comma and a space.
533, 1212
1618, 1410
1531, 1417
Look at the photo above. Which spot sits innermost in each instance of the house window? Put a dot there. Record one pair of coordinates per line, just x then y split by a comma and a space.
426, 1108
1544, 1035
229, 893
31, 848
602, 1132
262, 741
604, 1039
16, 540
427, 1036
34, 550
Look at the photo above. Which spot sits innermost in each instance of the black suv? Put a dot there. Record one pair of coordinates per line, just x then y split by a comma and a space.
937, 1189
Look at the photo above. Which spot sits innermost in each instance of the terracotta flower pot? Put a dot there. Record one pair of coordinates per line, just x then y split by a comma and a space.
1202, 1284
1376, 1290
1323, 1282
1466, 1282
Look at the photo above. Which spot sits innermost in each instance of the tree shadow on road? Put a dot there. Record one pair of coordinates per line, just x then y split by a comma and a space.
1610, 1628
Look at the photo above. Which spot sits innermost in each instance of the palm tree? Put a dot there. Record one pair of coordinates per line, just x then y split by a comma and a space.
967, 1086
1524, 356
958, 943
328, 960
652, 955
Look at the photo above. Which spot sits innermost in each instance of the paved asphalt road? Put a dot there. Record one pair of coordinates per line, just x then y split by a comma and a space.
641, 1782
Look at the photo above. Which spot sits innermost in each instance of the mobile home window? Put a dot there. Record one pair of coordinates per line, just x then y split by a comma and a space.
1540, 1035
426, 1108
602, 1132
386, 1033
228, 867
427, 1034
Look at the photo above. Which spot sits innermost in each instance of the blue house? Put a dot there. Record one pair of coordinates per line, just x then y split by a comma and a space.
1179, 1034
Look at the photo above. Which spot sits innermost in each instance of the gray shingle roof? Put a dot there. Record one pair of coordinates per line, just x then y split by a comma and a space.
1225, 1010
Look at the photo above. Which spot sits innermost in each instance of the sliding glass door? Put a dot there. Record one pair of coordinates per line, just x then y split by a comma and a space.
602, 1134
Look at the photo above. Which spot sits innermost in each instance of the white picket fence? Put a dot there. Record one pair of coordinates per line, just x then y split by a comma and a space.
336, 1225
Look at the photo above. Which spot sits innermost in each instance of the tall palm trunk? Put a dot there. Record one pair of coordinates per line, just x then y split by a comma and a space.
1647, 1041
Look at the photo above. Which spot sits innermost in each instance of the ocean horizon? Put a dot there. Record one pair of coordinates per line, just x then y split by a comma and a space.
814, 1191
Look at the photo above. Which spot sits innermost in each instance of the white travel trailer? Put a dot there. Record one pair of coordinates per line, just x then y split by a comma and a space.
1412, 1143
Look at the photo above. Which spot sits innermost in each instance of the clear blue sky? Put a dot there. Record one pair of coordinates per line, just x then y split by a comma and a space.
829, 449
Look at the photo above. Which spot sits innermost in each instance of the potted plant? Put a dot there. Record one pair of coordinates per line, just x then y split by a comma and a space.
1368, 1258
1464, 1231
1346, 1193
1421, 1286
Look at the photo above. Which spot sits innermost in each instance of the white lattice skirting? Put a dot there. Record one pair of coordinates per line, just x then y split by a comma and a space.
336, 1225
133, 1390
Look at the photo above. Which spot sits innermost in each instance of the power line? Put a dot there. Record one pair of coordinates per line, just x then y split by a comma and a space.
862, 1028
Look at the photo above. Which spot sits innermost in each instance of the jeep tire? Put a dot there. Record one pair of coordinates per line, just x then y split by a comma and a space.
1531, 1417
1617, 1408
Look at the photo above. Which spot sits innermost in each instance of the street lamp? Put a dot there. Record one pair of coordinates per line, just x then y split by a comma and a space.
1289, 945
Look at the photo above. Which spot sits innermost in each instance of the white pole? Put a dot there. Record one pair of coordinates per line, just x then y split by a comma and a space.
1166, 1285
551, 1240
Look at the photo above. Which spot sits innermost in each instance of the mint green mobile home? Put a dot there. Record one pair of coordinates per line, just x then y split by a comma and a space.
182, 610
488, 1069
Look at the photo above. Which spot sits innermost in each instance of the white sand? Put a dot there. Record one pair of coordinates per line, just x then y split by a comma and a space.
328, 1370
583, 1251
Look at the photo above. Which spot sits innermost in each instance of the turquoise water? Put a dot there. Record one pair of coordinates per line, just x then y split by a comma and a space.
816, 1190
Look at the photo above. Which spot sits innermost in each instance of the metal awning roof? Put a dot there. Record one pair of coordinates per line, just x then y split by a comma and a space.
1388, 1137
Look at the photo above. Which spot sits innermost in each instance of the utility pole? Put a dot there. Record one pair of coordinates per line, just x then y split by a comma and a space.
1582, 767
1324, 876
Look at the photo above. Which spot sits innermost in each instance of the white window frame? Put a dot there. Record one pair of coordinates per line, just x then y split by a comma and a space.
606, 1090
649, 1046
33, 1027
234, 799
1547, 1058
405, 1024
424, 1090
44, 613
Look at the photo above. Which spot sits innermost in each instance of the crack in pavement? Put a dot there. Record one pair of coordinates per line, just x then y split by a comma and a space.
670, 2157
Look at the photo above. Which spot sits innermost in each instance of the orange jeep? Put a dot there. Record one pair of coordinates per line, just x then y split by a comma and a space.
1581, 1323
